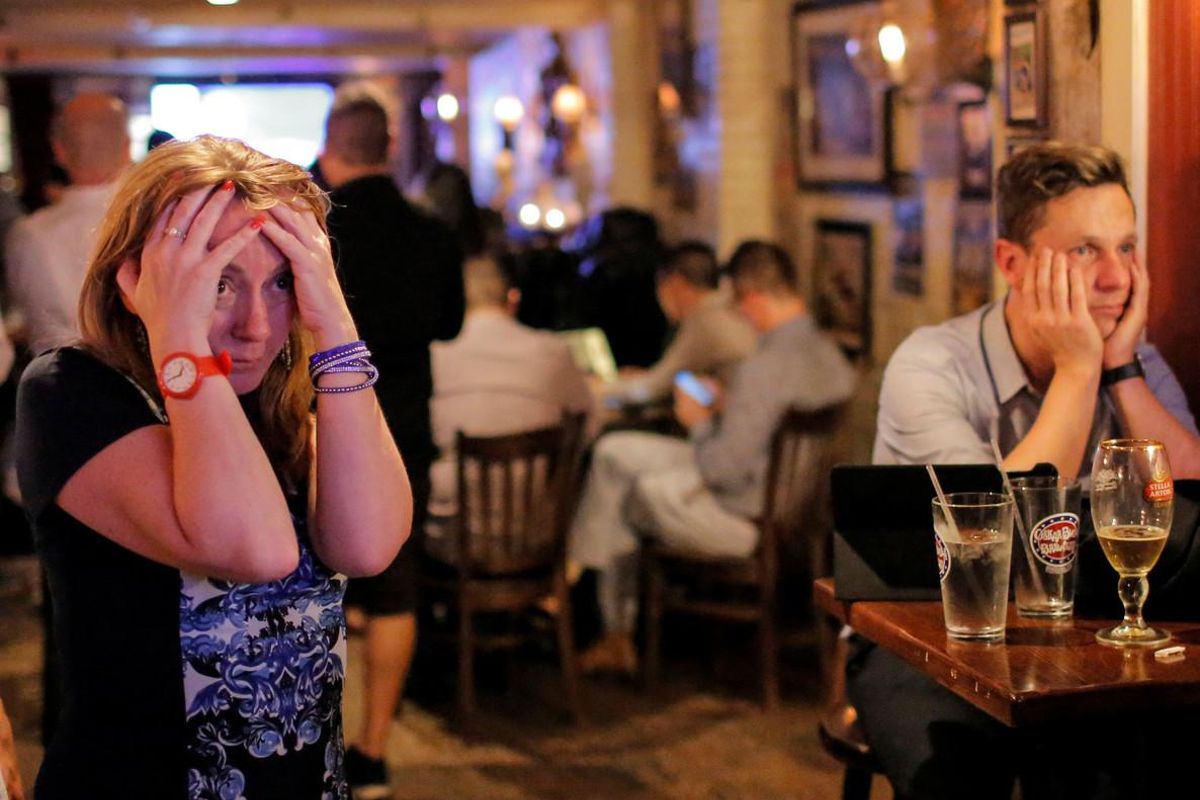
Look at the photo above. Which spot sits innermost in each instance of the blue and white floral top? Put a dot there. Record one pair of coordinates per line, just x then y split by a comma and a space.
175, 685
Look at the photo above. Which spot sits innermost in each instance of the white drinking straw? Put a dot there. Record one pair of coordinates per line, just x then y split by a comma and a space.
1008, 490
937, 487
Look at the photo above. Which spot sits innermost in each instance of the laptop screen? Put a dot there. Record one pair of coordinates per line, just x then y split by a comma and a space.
883, 526
589, 347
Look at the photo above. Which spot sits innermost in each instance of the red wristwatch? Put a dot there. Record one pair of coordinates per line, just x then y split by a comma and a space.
182, 373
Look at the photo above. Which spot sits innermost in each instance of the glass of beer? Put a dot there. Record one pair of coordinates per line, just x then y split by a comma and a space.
1132, 502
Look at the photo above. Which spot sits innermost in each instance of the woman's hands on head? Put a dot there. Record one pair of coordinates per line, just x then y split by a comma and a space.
319, 298
173, 286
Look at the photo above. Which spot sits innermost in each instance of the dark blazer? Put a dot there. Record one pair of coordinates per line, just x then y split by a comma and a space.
402, 274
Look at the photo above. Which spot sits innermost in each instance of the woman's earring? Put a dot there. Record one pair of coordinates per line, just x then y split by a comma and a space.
285, 355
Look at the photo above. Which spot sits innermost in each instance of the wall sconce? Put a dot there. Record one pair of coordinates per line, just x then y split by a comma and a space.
568, 105
886, 48
509, 112
447, 107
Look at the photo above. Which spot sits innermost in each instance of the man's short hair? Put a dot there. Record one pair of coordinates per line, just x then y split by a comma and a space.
693, 261
759, 266
1038, 174
357, 130
486, 281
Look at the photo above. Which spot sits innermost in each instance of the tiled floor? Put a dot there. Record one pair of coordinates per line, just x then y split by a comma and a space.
702, 737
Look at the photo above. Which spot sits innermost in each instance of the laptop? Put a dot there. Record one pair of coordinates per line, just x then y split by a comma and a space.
590, 349
883, 526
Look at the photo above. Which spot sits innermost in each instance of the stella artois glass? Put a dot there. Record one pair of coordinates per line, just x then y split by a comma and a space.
1133, 498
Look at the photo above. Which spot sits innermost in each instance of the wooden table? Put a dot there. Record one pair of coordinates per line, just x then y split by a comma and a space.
1042, 671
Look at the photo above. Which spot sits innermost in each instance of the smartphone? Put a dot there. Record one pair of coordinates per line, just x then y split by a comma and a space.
693, 388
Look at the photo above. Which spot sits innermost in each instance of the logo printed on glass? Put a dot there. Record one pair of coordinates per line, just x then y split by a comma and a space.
1053, 541
1159, 491
943, 557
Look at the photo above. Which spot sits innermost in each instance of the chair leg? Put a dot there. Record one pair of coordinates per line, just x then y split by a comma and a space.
566, 649
466, 662
768, 642
652, 579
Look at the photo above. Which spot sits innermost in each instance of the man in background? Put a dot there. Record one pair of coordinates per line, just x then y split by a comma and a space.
47, 252
701, 494
498, 376
712, 337
402, 274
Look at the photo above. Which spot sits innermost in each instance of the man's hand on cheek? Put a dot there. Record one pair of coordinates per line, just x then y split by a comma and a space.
1120, 345
1055, 300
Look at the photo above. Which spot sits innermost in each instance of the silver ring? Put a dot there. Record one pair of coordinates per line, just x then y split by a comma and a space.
178, 234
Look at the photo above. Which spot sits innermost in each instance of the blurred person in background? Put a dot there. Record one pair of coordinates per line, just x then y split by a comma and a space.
712, 337
702, 493
402, 273
497, 377
10, 775
446, 192
46, 253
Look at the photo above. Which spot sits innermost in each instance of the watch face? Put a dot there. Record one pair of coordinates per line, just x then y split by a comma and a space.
179, 374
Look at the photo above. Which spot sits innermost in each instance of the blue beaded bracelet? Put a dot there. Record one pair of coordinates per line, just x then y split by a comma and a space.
349, 357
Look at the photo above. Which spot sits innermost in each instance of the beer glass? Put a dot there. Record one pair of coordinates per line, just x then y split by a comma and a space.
1132, 502
1043, 570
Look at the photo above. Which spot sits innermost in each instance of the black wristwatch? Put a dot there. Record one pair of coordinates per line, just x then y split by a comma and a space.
1131, 370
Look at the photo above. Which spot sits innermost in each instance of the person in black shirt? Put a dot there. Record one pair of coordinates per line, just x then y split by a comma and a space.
195, 518
402, 274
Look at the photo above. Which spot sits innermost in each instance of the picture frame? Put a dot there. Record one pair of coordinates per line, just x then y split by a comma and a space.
971, 271
908, 263
974, 150
1025, 67
842, 280
833, 146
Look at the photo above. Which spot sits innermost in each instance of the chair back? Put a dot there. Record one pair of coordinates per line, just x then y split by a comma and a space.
516, 496
797, 484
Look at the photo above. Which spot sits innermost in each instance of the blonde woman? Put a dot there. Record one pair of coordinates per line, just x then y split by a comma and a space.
195, 517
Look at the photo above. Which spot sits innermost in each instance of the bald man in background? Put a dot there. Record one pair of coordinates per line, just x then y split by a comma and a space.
47, 251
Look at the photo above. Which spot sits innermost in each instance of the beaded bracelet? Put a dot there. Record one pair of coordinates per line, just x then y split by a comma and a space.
349, 357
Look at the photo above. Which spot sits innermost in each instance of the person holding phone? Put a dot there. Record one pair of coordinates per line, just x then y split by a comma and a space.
712, 338
701, 493
687, 382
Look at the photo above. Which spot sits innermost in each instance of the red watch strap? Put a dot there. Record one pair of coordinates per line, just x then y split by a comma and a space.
220, 364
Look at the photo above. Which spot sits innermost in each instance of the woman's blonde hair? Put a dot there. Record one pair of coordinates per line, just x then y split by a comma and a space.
116, 336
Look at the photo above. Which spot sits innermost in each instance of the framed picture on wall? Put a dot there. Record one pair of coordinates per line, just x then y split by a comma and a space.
971, 273
908, 266
842, 281
839, 124
1025, 69
974, 150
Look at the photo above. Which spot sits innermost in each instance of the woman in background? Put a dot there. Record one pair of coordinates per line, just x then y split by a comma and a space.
195, 518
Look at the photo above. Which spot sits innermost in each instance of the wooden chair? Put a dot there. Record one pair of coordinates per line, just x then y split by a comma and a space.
795, 505
508, 547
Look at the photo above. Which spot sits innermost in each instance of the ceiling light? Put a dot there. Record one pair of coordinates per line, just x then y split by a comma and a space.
529, 215
447, 107
222, 2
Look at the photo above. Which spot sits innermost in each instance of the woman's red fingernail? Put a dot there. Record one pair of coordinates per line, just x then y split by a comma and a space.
227, 186
259, 221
